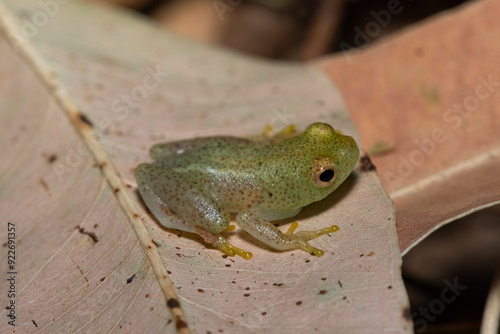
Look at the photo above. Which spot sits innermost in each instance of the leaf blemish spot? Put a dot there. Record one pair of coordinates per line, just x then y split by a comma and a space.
173, 303
52, 158
84, 119
130, 279
81, 272
44, 185
179, 324
92, 235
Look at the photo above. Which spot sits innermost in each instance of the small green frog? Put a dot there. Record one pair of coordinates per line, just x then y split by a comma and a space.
194, 185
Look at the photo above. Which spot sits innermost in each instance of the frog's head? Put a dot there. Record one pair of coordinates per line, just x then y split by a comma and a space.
326, 160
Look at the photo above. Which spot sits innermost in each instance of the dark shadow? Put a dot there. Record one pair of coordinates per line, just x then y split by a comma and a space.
317, 208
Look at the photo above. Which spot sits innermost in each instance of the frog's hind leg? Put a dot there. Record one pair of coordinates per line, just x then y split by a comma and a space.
165, 150
159, 208
255, 224
221, 243
178, 204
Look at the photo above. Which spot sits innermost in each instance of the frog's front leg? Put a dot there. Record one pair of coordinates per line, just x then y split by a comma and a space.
254, 223
178, 204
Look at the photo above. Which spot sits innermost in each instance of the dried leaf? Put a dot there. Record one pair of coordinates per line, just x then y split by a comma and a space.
431, 100
92, 258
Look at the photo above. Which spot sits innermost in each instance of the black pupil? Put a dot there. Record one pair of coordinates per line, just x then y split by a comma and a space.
327, 175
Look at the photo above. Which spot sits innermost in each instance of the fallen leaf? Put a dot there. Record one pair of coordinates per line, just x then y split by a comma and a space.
109, 86
433, 100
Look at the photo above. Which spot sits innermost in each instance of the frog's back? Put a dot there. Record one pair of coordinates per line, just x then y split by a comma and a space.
221, 155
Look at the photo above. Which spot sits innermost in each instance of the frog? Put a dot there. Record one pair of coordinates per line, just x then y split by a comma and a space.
196, 185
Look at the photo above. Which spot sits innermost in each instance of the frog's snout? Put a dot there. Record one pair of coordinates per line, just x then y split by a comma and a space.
352, 149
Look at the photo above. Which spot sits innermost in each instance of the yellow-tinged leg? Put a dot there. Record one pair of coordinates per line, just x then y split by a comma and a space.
223, 245
230, 228
292, 228
308, 235
255, 223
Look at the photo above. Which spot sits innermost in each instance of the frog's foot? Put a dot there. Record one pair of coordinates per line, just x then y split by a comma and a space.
303, 237
269, 134
256, 224
230, 228
223, 245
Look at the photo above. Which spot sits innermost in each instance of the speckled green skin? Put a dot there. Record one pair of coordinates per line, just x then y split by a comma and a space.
197, 183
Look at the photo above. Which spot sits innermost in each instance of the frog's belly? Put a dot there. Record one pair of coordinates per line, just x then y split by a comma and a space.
270, 214
277, 215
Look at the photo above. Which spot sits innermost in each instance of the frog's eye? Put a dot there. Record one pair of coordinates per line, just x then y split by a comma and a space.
325, 176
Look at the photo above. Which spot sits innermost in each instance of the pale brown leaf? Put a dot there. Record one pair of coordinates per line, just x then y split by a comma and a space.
82, 230
426, 103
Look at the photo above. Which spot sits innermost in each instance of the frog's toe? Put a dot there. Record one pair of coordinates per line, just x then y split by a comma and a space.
317, 252
302, 238
305, 246
230, 228
292, 228
225, 246
308, 235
